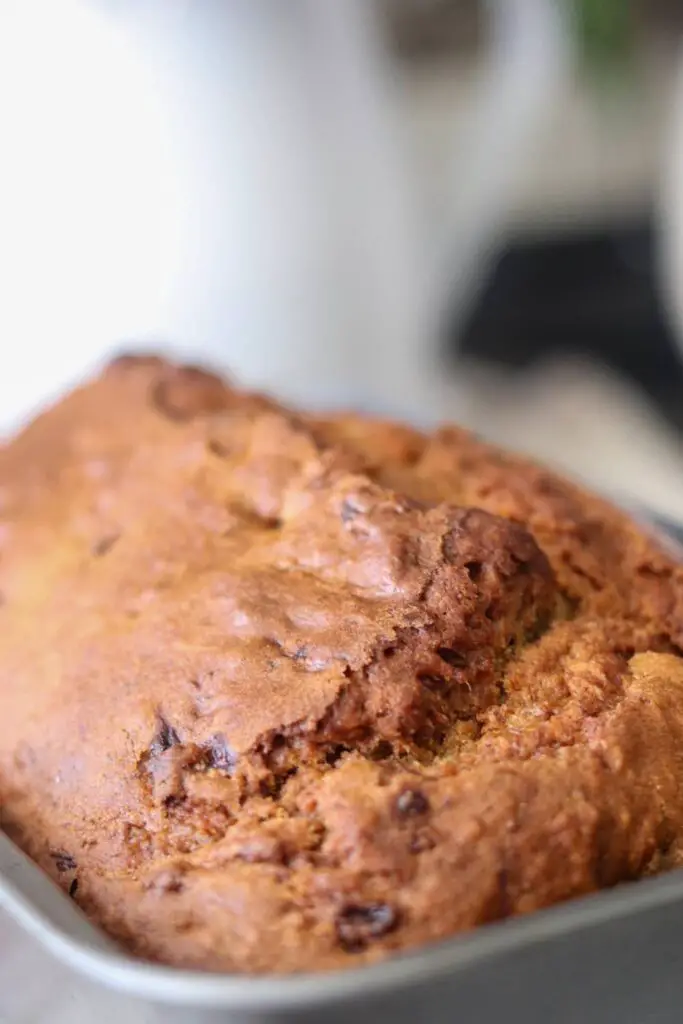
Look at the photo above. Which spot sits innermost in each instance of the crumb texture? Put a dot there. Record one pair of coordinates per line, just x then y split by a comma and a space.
281, 693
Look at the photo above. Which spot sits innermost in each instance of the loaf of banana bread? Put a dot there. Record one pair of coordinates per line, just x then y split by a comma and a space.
284, 693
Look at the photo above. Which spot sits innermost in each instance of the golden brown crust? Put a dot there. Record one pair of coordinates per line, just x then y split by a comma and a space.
282, 693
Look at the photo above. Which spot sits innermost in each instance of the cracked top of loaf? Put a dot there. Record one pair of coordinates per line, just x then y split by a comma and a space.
284, 693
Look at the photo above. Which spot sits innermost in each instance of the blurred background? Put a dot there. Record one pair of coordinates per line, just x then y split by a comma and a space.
436, 209
572, 339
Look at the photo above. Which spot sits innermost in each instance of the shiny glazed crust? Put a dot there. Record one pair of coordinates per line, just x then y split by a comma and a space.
281, 693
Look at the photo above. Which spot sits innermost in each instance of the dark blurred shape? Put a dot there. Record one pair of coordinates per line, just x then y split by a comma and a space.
423, 29
661, 14
593, 294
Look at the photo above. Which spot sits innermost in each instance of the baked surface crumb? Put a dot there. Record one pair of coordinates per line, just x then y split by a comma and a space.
283, 693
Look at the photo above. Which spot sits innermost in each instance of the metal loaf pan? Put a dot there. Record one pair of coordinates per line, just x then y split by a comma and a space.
613, 957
